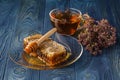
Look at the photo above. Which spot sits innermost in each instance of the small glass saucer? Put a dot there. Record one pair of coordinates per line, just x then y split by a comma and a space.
71, 44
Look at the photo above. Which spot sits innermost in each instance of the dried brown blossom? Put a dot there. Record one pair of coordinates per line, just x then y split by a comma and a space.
96, 35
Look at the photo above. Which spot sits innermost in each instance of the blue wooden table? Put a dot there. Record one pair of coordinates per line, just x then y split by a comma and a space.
18, 17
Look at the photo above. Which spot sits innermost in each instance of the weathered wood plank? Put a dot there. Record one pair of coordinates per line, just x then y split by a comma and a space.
83, 65
66, 73
7, 15
98, 10
112, 54
29, 18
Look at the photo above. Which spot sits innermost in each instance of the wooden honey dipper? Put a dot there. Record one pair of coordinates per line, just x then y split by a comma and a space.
32, 46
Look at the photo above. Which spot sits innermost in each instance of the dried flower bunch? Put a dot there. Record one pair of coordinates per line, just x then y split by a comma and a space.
96, 35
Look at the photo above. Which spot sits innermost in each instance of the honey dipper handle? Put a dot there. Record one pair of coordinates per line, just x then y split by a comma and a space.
32, 46
45, 36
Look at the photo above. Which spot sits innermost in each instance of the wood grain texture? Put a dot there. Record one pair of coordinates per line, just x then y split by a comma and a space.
57, 74
28, 19
7, 18
19, 18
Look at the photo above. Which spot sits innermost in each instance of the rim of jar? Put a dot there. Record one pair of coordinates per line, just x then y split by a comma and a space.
72, 9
